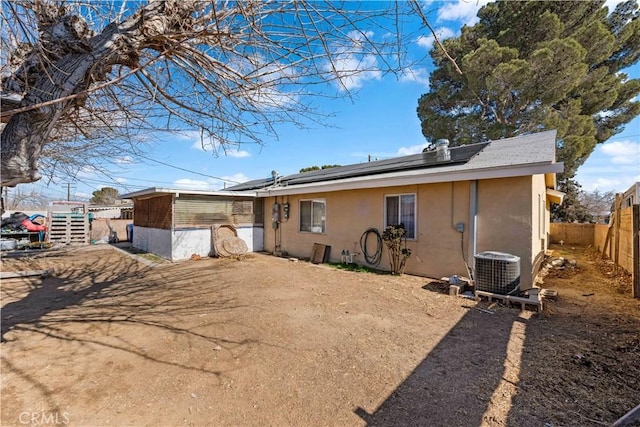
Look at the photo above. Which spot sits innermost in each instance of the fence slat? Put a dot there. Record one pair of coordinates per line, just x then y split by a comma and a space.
615, 240
636, 251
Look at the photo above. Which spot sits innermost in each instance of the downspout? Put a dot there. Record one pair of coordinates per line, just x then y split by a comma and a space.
473, 222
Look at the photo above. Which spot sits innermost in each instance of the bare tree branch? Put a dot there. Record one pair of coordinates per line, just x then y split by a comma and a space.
416, 6
93, 74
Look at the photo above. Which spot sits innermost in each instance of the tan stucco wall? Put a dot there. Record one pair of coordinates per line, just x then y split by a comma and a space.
540, 219
505, 217
436, 251
505, 220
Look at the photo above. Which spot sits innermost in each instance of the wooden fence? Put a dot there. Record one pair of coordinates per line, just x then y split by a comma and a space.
618, 241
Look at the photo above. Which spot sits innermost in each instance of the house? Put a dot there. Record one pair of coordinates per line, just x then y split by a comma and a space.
631, 196
454, 202
176, 224
122, 211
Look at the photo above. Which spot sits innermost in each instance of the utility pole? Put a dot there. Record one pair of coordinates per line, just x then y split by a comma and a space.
68, 191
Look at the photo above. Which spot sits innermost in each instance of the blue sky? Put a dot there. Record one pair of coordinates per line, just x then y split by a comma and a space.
379, 121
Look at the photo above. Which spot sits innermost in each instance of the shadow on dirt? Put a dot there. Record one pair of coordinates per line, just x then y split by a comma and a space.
117, 290
575, 364
456, 380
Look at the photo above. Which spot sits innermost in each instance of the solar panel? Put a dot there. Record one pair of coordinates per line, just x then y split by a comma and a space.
425, 160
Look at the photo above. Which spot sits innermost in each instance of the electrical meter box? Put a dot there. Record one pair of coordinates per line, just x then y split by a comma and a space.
275, 212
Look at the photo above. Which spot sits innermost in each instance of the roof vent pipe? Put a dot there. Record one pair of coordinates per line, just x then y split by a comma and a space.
443, 153
275, 176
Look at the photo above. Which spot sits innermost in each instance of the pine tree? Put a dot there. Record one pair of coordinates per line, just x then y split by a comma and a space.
105, 196
531, 66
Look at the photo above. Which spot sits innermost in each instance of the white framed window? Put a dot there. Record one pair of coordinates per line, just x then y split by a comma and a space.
401, 209
313, 216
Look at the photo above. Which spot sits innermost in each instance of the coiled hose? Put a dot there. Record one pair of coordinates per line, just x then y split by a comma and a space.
377, 255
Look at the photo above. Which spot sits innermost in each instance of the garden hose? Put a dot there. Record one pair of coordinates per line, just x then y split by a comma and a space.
375, 258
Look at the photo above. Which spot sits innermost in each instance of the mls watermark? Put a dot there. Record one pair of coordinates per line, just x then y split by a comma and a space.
44, 418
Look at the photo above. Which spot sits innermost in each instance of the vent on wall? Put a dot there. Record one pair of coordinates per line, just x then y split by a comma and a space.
497, 272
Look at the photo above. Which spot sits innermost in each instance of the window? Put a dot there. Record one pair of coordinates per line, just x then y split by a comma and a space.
313, 216
401, 209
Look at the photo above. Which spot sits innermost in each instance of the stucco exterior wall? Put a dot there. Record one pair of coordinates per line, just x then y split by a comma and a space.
154, 240
540, 216
190, 241
181, 243
505, 223
438, 248
505, 220
252, 235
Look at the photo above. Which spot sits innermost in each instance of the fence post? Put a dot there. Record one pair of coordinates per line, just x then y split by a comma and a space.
617, 233
636, 251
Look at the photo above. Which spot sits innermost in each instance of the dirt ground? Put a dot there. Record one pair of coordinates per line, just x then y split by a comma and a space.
114, 339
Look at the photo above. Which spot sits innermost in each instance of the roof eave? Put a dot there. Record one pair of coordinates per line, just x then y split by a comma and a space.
157, 191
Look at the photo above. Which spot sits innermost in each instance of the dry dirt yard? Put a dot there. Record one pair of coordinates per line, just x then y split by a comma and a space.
112, 339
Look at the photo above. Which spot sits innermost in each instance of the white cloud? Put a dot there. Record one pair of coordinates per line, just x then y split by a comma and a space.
269, 97
613, 166
462, 10
427, 42
87, 172
126, 160
236, 178
622, 152
263, 81
412, 149
237, 153
353, 70
121, 180
351, 64
210, 184
617, 184
212, 144
217, 148
192, 184
417, 75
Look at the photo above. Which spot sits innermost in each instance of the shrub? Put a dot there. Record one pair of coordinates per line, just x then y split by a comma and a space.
394, 237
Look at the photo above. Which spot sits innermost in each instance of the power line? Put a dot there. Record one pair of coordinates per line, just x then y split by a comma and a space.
188, 170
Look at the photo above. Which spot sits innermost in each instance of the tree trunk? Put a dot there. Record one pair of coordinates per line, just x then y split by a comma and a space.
27, 132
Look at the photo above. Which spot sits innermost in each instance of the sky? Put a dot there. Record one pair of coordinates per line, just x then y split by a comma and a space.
378, 121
